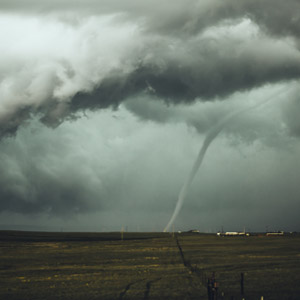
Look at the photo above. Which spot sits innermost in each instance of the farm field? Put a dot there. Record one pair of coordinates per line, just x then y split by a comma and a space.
35, 265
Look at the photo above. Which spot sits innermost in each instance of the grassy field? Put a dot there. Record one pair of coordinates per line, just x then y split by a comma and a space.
146, 266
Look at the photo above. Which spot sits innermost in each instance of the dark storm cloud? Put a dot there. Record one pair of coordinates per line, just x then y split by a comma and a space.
179, 67
63, 172
103, 164
180, 52
11, 122
192, 16
34, 183
201, 70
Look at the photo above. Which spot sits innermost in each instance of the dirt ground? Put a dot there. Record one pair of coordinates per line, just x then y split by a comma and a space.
146, 266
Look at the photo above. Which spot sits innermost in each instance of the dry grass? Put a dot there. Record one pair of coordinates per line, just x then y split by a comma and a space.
145, 266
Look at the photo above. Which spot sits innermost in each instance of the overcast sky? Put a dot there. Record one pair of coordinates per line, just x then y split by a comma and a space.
104, 106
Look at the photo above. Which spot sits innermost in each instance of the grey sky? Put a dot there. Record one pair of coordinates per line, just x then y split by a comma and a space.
104, 105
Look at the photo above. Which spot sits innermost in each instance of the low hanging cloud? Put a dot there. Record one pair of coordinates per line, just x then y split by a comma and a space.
109, 164
80, 168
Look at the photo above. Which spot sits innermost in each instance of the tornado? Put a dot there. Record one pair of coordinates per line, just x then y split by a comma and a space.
210, 136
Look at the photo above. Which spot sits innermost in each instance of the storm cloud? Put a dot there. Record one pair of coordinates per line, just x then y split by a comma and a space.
103, 107
59, 58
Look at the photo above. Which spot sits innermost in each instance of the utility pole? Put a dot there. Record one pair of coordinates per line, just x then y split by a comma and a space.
122, 233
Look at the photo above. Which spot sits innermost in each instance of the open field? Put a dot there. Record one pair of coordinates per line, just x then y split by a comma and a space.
146, 266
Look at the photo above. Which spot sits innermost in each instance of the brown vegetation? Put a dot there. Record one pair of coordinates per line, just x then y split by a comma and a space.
146, 266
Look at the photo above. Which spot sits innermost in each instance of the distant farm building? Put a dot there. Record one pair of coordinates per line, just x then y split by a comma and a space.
275, 233
193, 231
233, 233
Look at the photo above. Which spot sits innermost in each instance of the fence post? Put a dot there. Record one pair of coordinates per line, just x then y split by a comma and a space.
242, 283
209, 291
212, 287
215, 289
